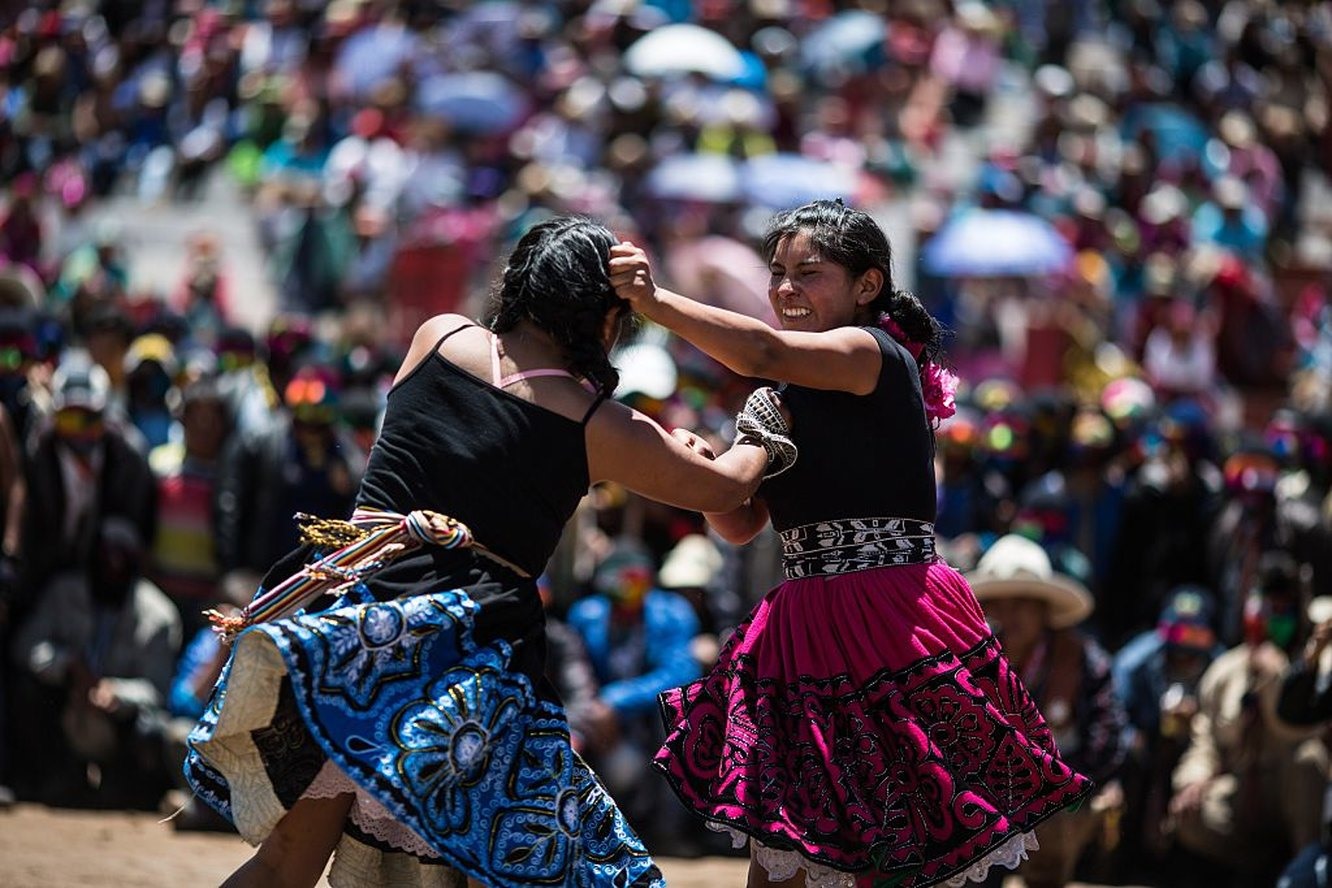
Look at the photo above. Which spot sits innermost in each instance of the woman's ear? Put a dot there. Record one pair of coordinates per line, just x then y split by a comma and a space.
612, 326
869, 286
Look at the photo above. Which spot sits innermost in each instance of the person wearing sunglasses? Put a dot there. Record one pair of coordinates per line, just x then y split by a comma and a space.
82, 472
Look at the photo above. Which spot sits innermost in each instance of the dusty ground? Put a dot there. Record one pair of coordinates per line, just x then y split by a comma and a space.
49, 848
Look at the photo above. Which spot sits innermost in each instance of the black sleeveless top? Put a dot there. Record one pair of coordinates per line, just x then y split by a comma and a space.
861, 456
509, 469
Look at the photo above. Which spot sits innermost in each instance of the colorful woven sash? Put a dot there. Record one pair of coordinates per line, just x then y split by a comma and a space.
368, 542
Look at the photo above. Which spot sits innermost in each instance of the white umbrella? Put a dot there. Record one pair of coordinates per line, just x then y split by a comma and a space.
684, 49
711, 178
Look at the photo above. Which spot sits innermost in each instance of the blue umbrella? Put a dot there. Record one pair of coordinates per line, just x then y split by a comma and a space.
710, 178
1179, 135
996, 243
848, 42
369, 57
480, 102
782, 181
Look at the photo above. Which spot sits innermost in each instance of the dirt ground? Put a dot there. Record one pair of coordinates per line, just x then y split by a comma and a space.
56, 848
49, 848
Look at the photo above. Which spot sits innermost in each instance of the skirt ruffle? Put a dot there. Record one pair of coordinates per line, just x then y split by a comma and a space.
867, 728
432, 729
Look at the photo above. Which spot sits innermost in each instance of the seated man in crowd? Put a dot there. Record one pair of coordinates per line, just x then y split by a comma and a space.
1035, 612
1156, 676
639, 639
93, 664
1249, 789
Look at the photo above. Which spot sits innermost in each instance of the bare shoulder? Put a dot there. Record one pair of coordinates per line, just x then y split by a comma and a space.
440, 325
427, 337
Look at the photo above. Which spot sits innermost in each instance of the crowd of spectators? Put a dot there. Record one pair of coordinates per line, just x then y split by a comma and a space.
1149, 400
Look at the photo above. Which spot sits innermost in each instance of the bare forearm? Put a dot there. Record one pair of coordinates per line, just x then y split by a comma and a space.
740, 525
744, 344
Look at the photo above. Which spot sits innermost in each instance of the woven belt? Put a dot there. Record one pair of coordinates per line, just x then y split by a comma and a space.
355, 550
846, 545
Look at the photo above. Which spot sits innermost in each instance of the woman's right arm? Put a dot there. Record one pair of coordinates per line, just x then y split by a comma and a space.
627, 447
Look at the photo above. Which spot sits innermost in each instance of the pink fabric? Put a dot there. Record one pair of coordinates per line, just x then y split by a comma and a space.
870, 722
860, 623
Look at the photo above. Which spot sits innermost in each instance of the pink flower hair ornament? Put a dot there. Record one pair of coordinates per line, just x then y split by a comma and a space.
938, 384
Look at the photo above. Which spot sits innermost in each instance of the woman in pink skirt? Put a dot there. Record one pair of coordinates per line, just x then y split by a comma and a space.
862, 726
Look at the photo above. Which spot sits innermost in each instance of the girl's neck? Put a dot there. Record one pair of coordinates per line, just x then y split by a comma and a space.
532, 344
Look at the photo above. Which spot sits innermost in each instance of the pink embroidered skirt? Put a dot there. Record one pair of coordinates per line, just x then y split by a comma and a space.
865, 726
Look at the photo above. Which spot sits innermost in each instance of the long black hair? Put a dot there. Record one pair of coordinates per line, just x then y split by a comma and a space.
557, 277
853, 240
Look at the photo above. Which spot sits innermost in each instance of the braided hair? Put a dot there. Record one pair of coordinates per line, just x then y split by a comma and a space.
557, 277
852, 239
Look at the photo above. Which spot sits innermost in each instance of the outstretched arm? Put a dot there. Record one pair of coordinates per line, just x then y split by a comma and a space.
627, 447
844, 359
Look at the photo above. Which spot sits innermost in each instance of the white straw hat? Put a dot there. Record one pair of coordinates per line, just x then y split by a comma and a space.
1016, 567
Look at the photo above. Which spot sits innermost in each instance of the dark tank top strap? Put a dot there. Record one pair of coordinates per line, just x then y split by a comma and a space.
600, 399
445, 337
434, 350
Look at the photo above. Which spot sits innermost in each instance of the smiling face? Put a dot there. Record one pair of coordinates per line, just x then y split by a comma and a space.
811, 293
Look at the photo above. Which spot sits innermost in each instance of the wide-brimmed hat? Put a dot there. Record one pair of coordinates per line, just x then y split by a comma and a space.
1016, 567
692, 564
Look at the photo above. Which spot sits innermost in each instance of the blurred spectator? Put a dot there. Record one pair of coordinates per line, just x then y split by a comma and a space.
1304, 701
184, 554
95, 659
21, 230
108, 331
82, 472
203, 296
1243, 534
593, 726
244, 382
1248, 791
305, 462
1179, 356
640, 640
1156, 676
690, 570
18, 355
151, 368
1169, 507
1231, 221
1035, 611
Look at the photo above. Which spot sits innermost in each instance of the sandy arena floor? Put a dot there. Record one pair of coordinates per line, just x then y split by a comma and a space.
50, 848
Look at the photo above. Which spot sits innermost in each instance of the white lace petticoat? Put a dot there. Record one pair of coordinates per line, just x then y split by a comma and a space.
781, 865
369, 815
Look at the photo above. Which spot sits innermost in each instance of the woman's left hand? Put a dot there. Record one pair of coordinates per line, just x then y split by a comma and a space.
631, 275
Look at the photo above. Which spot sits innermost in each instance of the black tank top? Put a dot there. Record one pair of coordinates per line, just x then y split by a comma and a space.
861, 456
509, 469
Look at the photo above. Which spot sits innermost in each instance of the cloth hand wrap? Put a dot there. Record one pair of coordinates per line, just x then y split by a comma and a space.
760, 422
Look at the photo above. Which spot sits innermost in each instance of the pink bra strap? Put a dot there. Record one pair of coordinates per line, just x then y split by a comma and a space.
506, 381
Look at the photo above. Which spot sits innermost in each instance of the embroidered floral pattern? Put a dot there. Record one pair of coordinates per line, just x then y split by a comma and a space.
439, 731
913, 776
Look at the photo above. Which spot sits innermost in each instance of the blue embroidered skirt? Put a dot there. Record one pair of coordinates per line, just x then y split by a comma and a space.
465, 757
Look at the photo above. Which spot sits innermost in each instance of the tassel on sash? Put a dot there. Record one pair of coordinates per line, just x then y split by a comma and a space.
360, 547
